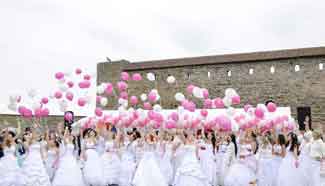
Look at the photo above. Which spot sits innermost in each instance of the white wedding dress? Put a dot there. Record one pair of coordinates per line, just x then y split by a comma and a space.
189, 172
10, 173
148, 172
34, 169
68, 172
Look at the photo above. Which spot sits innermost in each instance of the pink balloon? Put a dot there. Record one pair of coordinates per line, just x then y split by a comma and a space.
136, 77
27, 113
247, 107
208, 103
235, 100
174, 116
124, 95
82, 102
45, 112
204, 113
147, 106
122, 86
98, 98
158, 117
271, 107
38, 113
69, 96
205, 93
18, 99
195, 123
58, 95
189, 89
59, 75
152, 96
134, 100
191, 106
109, 89
218, 102
224, 123
84, 84
170, 124
21, 110
70, 84
87, 77
125, 76
68, 116
78, 71
45, 100
151, 115
98, 112
259, 113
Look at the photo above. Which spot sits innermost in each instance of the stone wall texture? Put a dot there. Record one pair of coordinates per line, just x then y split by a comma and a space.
286, 86
11, 120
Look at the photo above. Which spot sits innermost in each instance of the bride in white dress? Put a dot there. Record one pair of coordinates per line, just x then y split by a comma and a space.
265, 174
148, 171
128, 158
208, 159
111, 161
10, 173
290, 173
189, 172
68, 172
33, 167
92, 169
242, 173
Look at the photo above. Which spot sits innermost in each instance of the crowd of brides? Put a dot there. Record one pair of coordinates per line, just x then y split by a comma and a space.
36, 156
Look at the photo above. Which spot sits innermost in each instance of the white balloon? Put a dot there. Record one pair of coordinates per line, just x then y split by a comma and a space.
197, 92
36, 105
143, 97
62, 81
103, 101
121, 110
227, 101
120, 101
12, 107
234, 127
231, 111
32, 93
179, 97
171, 79
13, 98
180, 109
157, 97
89, 99
101, 89
157, 108
151, 76
125, 104
155, 91
230, 92
63, 87
67, 74
63, 105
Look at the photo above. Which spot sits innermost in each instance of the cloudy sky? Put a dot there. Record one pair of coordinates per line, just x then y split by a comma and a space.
40, 37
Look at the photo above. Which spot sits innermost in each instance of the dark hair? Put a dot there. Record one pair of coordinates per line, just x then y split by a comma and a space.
256, 142
1, 149
294, 142
137, 134
233, 140
281, 139
11, 133
213, 140
87, 131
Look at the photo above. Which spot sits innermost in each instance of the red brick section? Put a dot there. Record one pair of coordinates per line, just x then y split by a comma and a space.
228, 58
